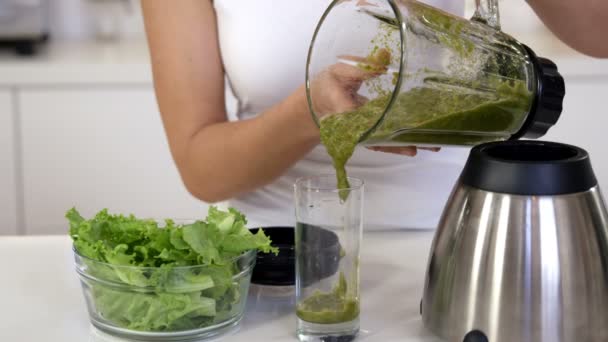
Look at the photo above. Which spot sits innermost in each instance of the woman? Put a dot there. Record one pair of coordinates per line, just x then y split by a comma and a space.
260, 46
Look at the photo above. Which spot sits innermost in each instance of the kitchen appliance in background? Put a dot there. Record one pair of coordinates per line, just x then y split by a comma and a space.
24, 24
110, 18
521, 250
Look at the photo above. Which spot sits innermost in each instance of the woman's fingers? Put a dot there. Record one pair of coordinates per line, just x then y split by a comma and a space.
432, 149
339, 85
379, 59
350, 73
410, 151
360, 100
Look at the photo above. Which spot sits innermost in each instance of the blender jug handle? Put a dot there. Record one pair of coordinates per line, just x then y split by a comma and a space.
487, 12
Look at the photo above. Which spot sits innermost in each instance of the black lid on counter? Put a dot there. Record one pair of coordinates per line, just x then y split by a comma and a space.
280, 270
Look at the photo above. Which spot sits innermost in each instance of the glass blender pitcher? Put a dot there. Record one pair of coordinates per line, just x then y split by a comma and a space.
411, 74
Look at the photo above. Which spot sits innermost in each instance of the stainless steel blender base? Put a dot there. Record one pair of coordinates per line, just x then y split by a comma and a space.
520, 268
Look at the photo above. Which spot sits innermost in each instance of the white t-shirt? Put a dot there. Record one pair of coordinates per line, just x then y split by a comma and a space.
264, 44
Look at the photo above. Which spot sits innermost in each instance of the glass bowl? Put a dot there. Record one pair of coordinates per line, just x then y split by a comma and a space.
181, 303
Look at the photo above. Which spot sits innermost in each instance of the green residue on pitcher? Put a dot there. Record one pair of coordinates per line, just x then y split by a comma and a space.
433, 114
448, 29
329, 307
382, 55
395, 78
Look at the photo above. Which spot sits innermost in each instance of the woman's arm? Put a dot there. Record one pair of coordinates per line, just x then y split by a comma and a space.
216, 159
582, 24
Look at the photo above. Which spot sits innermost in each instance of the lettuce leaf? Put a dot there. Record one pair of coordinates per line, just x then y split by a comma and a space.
154, 311
141, 253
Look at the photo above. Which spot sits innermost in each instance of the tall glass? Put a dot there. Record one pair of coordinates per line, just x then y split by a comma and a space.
328, 238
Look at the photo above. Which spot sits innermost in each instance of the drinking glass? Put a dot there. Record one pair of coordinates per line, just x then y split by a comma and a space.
328, 238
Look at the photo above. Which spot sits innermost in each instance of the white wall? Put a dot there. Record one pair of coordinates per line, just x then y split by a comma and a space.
8, 194
95, 148
73, 19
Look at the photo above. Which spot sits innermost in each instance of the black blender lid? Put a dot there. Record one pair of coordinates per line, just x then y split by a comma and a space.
548, 103
280, 270
529, 167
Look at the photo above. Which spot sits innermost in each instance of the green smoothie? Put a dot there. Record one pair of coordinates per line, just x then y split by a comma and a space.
427, 115
329, 307
449, 30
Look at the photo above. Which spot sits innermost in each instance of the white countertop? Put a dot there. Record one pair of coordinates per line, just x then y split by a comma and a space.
127, 62
79, 63
42, 299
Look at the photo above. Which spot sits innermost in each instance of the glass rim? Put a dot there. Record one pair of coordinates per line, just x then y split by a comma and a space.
355, 184
244, 255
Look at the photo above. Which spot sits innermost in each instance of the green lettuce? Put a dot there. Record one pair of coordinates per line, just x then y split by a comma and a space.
140, 253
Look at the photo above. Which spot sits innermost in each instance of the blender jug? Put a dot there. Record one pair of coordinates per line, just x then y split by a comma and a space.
415, 75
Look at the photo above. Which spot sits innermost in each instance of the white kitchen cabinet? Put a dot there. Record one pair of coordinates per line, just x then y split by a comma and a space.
8, 197
97, 148
584, 123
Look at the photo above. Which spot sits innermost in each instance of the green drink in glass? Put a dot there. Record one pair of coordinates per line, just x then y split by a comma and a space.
328, 239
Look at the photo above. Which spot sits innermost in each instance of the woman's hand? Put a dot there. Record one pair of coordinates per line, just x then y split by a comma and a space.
335, 90
582, 24
409, 151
